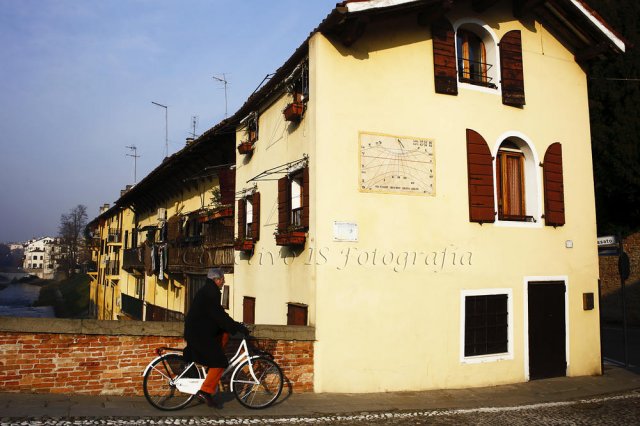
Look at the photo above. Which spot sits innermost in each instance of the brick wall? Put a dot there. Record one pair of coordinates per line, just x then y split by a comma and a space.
112, 362
610, 287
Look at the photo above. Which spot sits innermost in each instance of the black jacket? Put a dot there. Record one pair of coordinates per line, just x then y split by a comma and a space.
206, 320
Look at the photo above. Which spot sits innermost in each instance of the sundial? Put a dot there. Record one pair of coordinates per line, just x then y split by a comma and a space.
397, 164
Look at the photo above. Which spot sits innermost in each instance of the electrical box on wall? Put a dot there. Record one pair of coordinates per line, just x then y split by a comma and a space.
587, 301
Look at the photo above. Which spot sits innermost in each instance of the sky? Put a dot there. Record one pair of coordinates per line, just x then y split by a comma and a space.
78, 78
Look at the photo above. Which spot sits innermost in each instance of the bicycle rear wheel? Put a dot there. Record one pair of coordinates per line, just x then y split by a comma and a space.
263, 392
158, 385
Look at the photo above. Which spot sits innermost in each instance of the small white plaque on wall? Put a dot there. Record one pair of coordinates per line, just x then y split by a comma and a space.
345, 231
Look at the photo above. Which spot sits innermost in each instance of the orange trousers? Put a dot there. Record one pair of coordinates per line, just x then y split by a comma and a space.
213, 375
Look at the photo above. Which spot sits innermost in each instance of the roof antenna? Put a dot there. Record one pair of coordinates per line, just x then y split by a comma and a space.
223, 80
135, 156
194, 124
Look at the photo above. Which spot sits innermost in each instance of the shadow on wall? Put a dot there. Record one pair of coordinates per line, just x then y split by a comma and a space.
611, 305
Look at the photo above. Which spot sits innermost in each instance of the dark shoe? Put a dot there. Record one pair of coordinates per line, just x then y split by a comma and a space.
207, 398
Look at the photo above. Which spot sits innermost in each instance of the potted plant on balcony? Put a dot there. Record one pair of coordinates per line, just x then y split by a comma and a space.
294, 110
291, 237
245, 147
243, 245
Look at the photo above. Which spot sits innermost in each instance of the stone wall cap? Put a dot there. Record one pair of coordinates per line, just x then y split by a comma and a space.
139, 328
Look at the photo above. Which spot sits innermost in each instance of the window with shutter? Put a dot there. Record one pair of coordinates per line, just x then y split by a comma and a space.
284, 204
241, 218
511, 69
553, 186
227, 182
255, 220
444, 57
473, 67
296, 314
480, 179
249, 310
293, 208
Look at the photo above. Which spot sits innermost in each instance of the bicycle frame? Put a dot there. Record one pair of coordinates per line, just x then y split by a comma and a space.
190, 385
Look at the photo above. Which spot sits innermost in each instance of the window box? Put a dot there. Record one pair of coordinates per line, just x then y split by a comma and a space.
291, 238
226, 211
245, 147
293, 111
243, 245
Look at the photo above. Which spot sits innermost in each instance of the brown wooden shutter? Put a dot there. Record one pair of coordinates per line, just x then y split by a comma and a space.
553, 186
480, 179
227, 181
305, 197
444, 57
249, 310
511, 69
255, 224
296, 314
284, 204
242, 218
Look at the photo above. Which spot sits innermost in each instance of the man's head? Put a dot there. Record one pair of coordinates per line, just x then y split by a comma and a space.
216, 275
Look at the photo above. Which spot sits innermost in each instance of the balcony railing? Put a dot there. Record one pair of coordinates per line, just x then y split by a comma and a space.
114, 236
133, 259
112, 267
197, 258
475, 72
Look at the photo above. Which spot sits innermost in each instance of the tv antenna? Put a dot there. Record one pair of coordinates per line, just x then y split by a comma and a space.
194, 124
135, 156
166, 127
223, 80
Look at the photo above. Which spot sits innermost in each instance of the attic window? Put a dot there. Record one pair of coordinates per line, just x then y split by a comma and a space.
475, 52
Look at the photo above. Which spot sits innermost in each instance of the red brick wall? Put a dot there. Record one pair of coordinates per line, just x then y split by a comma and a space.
113, 365
610, 286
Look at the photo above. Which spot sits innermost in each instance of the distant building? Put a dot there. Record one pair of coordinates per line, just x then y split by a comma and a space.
40, 257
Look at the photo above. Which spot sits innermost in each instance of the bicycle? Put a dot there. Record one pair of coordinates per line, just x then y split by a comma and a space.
171, 382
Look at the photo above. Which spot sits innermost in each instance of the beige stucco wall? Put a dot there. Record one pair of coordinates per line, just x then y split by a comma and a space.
275, 275
391, 327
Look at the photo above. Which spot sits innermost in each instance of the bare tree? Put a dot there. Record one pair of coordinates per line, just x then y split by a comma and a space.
71, 230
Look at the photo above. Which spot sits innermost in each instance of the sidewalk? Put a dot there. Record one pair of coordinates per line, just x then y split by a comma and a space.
615, 380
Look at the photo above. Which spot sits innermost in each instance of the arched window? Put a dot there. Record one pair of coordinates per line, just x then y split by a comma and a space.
516, 182
476, 54
472, 57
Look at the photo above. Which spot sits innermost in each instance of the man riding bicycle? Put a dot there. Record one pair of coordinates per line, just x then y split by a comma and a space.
206, 329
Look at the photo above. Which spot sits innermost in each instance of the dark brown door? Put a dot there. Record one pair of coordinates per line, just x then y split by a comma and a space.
547, 330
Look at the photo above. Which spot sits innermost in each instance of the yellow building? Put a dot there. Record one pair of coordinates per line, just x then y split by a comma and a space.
424, 186
415, 182
160, 237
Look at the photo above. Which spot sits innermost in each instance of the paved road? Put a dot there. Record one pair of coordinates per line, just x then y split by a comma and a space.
621, 409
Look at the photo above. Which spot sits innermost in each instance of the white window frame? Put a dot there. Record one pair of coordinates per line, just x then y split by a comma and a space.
477, 359
490, 41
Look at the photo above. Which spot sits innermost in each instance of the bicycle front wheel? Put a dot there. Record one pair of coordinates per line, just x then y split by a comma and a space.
158, 385
260, 389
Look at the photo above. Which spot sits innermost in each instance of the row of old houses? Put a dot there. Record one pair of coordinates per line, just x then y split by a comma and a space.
415, 182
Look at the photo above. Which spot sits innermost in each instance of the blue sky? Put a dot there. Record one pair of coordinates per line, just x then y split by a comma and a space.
77, 78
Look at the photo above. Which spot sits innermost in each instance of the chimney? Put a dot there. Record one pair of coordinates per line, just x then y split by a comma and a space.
104, 208
128, 187
189, 141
